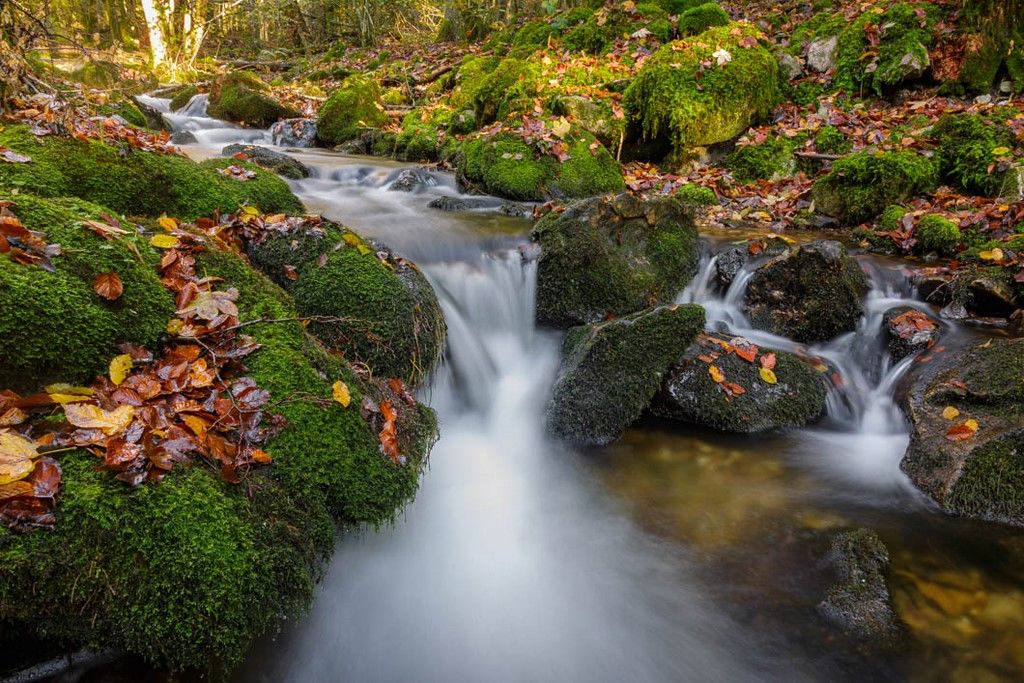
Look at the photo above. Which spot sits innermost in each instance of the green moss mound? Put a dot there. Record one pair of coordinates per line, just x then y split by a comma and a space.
599, 32
511, 87
134, 182
772, 158
424, 132
611, 256
699, 19
54, 326
861, 185
831, 140
690, 394
382, 313
966, 152
508, 166
242, 97
664, 100
350, 109
611, 371
939, 234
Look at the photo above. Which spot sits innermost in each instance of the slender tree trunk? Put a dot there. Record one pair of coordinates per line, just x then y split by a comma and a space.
155, 28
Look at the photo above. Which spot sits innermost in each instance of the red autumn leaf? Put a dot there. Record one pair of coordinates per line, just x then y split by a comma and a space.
744, 350
389, 434
108, 286
768, 361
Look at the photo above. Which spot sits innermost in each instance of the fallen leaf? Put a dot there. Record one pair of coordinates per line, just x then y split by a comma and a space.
16, 455
950, 413
962, 431
768, 375
768, 361
90, 416
716, 374
120, 366
164, 241
108, 286
341, 394
167, 223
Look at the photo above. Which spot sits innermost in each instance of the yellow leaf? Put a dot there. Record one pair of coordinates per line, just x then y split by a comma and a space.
62, 388
167, 223
16, 455
120, 366
175, 326
341, 394
716, 375
249, 211
971, 424
950, 413
90, 416
768, 376
164, 241
197, 424
992, 255
64, 399
1000, 151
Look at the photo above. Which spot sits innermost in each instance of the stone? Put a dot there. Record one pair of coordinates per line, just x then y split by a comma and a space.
410, 180
278, 162
790, 67
294, 133
821, 54
908, 331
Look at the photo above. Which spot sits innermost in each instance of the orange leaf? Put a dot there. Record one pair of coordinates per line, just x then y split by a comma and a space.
747, 352
389, 434
108, 286
768, 361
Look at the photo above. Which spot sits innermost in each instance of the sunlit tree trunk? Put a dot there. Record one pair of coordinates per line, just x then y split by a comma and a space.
155, 29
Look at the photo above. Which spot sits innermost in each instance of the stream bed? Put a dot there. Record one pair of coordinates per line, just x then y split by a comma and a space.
672, 555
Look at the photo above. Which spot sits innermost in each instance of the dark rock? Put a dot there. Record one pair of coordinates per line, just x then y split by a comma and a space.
811, 294
410, 180
859, 602
970, 473
689, 392
184, 137
908, 331
278, 162
613, 255
515, 210
448, 203
294, 133
154, 117
611, 370
730, 262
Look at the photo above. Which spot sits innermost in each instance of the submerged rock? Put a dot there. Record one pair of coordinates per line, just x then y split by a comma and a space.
448, 203
859, 602
611, 256
278, 162
744, 400
410, 180
294, 133
966, 410
908, 331
611, 370
811, 294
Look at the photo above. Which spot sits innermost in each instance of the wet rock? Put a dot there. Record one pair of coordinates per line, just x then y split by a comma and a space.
278, 162
973, 469
821, 54
742, 401
294, 133
515, 210
154, 117
859, 602
611, 370
790, 67
908, 331
613, 255
410, 180
184, 137
992, 294
448, 203
811, 294
728, 265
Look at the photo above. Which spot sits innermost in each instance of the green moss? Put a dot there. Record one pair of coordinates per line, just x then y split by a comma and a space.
56, 328
676, 97
469, 78
991, 485
532, 34
831, 140
612, 369
861, 185
699, 19
183, 96
242, 97
511, 87
382, 314
597, 35
935, 233
98, 74
350, 109
677, 7
965, 155
892, 218
772, 158
696, 195
127, 110
134, 182
423, 132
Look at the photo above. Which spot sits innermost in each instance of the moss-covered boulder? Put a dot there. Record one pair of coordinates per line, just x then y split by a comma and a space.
860, 186
772, 158
974, 469
55, 327
698, 19
690, 393
351, 109
610, 256
365, 302
511, 87
973, 152
937, 234
135, 182
524, 166
278, 162
243, 98
182, 96
189, 572
613, 22
611, 370
811, 294
706, 89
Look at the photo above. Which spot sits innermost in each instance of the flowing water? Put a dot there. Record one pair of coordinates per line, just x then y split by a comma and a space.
672, 555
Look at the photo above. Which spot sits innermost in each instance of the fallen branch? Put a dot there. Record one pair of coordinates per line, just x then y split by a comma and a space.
816, 155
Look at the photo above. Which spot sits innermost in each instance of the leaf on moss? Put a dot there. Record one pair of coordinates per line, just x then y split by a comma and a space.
341, 394
108, 286
89, 416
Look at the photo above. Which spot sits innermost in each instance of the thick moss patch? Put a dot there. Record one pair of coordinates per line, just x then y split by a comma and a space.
860, 186
966, 154
350, 110
134, 182
611, 256
599, 32
54, 326
772, 158
677, 97
699, 19
242, 97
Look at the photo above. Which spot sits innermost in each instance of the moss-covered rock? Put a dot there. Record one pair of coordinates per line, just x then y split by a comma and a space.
54, 326
831, 140
772, 158
612, 256
966, 154
861, 185
677, 98
908, 331
516, 166
183, 96
982, 474
351, 109
937, 233
189, 572
242, 97
689, 393
381, 312
810, 294
134, 182
611, 370
278, 162
599, 32
424, 132
511, 87
698, 19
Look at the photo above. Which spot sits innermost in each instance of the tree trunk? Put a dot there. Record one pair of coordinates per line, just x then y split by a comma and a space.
155, 28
